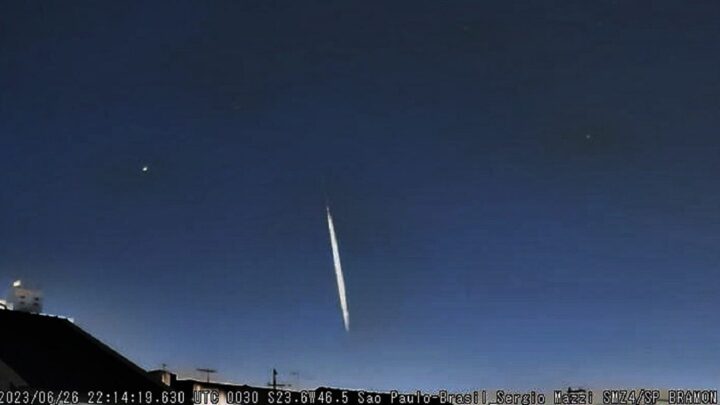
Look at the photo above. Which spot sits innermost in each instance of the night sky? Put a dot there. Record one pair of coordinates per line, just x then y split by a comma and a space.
526, 194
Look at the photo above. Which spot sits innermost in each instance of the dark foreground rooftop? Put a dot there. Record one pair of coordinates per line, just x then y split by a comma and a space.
51, 353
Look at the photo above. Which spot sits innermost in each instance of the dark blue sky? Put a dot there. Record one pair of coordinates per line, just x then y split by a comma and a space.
526, 194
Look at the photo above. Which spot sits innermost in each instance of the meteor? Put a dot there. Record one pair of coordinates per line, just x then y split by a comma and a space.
338, 271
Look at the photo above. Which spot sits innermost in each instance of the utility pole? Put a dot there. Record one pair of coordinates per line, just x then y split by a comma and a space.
274, 384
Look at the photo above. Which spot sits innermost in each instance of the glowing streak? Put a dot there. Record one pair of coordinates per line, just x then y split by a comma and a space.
338, 272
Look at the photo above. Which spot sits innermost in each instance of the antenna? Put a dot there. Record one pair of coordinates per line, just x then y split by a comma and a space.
207, 372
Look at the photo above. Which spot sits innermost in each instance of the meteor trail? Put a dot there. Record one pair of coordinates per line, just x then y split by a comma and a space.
338, 271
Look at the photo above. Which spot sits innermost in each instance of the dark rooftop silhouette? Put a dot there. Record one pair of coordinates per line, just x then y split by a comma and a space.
52, 353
